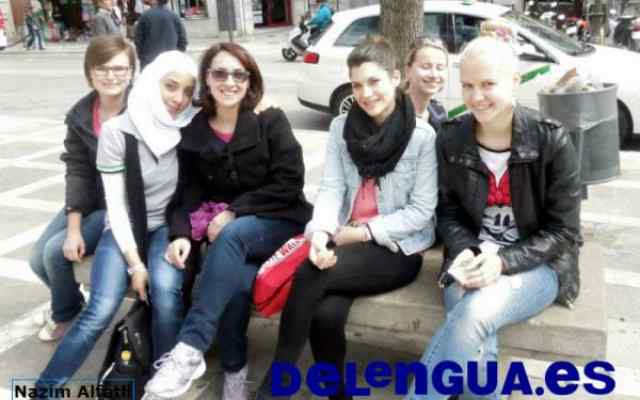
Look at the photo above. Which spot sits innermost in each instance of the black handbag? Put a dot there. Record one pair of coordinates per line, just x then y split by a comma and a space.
127, 364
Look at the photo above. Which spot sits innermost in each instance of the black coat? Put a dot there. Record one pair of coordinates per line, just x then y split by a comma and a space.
83, 190
545, 192
260, 172
158, 30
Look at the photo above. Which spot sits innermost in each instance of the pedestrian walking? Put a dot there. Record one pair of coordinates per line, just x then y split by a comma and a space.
252, 162
105, 21
141, 141
74, 231
508, 213
34, 23
158, 30
373, 216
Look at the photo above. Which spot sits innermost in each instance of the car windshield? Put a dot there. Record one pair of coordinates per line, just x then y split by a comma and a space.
553, 37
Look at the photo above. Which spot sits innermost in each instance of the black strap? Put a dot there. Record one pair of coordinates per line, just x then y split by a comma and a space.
135, 195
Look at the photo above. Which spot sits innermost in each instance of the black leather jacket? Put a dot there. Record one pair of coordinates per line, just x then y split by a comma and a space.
545, 192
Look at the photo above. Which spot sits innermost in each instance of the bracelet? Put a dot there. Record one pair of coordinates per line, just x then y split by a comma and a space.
138, 267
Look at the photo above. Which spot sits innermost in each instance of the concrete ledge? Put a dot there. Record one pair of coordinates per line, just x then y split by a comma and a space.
406, 319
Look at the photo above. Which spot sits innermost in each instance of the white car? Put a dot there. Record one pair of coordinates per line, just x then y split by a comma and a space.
325, 80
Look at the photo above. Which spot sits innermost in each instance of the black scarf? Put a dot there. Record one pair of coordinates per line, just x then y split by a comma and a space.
375, 150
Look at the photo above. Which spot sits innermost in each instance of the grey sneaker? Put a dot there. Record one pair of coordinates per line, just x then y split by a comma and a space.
52, 330
175, 372
235, 385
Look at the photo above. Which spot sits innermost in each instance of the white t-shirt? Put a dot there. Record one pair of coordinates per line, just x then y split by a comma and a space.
498, 222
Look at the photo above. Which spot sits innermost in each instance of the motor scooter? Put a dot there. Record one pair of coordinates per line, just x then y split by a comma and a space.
298, 41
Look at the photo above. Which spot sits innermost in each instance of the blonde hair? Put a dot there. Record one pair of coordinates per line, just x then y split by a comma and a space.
494, 47
425, 42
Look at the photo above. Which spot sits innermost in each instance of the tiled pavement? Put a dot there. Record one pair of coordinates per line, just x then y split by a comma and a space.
31, 191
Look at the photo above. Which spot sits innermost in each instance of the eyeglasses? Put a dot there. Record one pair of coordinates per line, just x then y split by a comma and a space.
119, 71
221, 75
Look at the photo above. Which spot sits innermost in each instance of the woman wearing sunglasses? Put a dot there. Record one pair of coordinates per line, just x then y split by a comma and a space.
251, 162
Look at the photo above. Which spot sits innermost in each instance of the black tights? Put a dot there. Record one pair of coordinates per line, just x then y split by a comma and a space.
320, 300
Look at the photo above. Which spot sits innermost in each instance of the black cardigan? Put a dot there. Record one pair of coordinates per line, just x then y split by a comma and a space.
260, 172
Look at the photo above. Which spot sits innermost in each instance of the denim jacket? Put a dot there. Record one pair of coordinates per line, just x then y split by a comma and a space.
406, 197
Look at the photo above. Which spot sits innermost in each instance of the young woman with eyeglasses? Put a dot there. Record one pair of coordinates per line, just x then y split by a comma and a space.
426, 74
252, 162
73, 233
138, 163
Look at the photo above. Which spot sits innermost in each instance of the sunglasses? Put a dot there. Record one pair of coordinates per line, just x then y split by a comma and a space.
221, 75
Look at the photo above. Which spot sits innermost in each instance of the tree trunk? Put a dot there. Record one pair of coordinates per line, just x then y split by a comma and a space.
402, 23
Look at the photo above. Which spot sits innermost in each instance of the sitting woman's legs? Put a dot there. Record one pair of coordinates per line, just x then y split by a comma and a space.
470, 329
327, 336
244, 238
165, 287
66, 300
109, 283
36, 259
232, 335
362, 269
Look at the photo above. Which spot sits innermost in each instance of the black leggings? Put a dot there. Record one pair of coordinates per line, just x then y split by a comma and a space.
320, 300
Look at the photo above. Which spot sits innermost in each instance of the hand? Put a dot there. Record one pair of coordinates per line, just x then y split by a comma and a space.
219, 222
139, 280
485, 269
177, 252
319, 255
350, 234
74, 246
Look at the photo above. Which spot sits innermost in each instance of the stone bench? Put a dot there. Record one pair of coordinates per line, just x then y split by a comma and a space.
405, 319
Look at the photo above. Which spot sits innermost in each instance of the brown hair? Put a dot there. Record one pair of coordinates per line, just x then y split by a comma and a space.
256, 87
376, 49
103, 48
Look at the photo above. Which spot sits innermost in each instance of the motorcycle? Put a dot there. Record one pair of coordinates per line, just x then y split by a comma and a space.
577, 28
297, 42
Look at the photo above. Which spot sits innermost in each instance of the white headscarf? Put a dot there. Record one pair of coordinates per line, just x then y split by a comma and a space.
147, 111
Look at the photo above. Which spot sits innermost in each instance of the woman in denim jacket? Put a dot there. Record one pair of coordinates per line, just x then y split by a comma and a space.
372, 217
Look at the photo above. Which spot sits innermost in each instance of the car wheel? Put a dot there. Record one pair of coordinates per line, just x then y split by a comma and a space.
289, 54
624, 125
342, 101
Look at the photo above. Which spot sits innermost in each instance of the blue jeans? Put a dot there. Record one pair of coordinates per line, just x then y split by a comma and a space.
228, 275
469, 332
48, 262
109, 284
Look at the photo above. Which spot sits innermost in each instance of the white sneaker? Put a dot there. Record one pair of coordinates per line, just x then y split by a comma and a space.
52, 330
40, 319
175, 372
235, 385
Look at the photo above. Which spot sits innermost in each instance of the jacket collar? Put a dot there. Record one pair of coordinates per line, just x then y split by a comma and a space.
81, 114
198, 136
524, 143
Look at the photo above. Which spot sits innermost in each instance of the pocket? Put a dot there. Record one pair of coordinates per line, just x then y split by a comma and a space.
403, 176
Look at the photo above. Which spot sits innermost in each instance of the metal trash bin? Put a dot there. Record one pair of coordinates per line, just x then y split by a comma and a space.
591, 119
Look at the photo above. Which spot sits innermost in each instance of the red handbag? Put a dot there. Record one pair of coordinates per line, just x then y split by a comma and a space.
273, 283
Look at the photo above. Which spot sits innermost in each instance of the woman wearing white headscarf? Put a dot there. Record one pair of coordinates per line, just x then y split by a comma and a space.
139, 168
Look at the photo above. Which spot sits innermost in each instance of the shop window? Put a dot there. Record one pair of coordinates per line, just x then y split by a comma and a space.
191, 9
